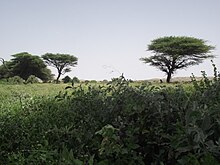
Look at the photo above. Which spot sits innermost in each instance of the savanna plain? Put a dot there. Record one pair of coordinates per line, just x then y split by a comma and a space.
116, 122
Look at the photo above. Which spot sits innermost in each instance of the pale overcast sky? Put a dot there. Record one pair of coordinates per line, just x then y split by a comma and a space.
107, 36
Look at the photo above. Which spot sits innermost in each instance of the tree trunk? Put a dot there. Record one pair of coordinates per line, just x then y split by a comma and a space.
169, 74
57, 80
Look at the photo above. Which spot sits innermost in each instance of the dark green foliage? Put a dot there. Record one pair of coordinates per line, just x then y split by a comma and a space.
61, 62
75, 80
24, 65
4, 70
66, 79
173, 53
104, 81
116, 124
93, 81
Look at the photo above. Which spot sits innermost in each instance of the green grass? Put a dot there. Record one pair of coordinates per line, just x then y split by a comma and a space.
13, 96
118, 123
8, 91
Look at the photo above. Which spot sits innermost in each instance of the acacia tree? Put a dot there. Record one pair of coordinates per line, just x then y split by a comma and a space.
23, 65
3, 62
61, 62
4, 71
173, 53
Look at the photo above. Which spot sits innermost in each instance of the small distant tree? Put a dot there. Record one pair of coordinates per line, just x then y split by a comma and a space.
105, 81
66, 79
75, 80
173, 53
61, 62
93, 81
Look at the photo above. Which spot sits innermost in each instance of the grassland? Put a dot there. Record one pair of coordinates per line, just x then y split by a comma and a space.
8, 91
116, 123
12, 96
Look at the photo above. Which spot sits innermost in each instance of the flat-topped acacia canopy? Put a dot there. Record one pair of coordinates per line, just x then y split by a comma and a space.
177, 52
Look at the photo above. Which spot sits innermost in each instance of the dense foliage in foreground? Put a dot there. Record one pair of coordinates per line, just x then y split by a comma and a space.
115, 124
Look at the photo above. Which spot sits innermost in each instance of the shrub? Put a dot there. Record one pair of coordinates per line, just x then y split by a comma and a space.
93, 81
116, 124
104, 81
75, 80
3, 81
16, 80
32, 79
66, 79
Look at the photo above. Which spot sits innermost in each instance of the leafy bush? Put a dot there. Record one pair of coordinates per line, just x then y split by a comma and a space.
16, 80
3, 81
104, 81
66, 79
75, 80
93, 81
32, 79
116, 124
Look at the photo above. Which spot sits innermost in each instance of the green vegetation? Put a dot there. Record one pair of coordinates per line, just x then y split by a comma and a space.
173, 53
75, 80
66, 79
118, 123
61, 62
24, 65
111, 122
